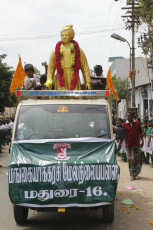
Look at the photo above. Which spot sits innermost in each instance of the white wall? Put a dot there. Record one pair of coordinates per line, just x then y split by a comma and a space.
143, 75
140, 100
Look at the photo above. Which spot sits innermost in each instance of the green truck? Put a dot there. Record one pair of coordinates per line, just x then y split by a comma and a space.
63, 154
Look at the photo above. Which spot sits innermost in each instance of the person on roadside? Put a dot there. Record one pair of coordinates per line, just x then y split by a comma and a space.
11, 124
150, 144
31, 79
147, 130
132, 144
119, 122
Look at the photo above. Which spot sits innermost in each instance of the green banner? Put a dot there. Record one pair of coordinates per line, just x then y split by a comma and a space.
64, 173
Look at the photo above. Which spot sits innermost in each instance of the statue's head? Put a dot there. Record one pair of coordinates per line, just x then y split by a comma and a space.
67, 33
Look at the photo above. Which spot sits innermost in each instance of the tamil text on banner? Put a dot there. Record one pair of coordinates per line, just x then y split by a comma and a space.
83, 172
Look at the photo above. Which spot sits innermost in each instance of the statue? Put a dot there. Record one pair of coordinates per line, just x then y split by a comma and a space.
67, 59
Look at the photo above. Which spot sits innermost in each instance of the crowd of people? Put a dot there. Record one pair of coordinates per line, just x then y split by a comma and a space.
6, 124
137, 147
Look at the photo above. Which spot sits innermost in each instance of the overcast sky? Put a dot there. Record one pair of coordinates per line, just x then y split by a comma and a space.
31, 29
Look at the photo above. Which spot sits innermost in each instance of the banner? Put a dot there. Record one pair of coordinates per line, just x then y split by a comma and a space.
63, 174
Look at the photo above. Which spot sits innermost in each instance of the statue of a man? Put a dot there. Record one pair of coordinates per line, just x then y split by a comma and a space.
67, 59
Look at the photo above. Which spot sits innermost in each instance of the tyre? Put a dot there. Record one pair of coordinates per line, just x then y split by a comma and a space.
108, 213
20, 214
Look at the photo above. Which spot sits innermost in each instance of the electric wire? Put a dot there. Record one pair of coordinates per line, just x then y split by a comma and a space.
54, 36
101, 39
57, 32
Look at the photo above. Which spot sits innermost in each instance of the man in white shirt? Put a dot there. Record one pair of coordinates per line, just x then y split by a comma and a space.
11, 123
99, 81
98, 71
31, 80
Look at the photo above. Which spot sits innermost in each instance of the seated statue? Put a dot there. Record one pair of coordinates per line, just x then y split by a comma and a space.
67, 58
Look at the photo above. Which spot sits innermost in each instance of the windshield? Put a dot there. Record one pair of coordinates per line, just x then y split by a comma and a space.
62, 121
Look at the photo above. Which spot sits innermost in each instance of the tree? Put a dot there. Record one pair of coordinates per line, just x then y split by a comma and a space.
6, 74
146, 17
120, 86
146, 13
36, 71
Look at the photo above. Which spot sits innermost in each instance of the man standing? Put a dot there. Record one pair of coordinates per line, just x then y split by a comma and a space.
99, 79
132, 144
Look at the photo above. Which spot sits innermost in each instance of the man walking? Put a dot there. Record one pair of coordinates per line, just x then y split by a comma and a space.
132, 144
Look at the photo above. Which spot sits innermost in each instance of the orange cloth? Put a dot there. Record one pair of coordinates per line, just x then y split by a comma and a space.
110, 84
18, 77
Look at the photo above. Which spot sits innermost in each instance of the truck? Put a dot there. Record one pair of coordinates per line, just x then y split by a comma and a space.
63, 153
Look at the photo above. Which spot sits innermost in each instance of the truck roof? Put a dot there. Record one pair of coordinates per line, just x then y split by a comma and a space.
37, 97
64, 101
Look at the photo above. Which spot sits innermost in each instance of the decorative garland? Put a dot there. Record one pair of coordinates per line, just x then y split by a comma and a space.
75, 63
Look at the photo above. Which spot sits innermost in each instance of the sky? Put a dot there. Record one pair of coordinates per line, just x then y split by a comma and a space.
31, 29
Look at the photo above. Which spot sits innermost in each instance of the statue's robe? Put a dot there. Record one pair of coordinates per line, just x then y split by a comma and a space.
67, 75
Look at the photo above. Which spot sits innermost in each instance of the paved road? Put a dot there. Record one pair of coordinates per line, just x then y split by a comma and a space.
126, 218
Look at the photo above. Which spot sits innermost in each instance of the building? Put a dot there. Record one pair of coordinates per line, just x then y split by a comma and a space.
8, 112
143, 88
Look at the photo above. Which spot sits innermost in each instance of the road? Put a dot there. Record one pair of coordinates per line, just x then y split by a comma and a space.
126, 217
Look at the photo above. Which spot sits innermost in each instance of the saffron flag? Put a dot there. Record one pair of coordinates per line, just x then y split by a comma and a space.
110, 84
18, 77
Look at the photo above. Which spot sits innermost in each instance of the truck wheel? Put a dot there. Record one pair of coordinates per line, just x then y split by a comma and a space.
20, 214
108, 213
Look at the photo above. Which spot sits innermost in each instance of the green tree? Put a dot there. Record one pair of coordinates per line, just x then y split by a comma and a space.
36, 71
146, 13
146, 17
6, 73
120, 86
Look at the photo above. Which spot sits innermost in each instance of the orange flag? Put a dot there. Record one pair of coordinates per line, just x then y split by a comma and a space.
18, 77
110, 84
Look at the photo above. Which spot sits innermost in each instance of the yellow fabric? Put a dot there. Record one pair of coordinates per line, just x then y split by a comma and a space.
67, 75
110, 84
18, 77
49, 84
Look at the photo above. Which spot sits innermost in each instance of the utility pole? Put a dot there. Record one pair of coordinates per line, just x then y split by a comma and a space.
133, 55
132, 20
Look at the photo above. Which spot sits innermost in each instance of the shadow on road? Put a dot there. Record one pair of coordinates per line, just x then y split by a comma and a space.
126, 217
142, 178
76, 220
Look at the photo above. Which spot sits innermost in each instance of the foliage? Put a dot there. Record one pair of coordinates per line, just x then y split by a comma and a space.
146, 47
146, 13
36, 71
120, 86
145, 16
6, 74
